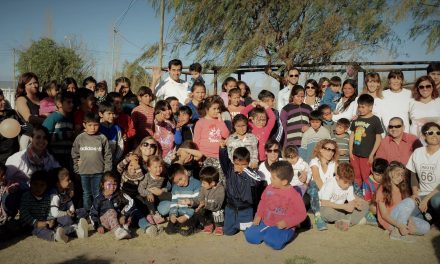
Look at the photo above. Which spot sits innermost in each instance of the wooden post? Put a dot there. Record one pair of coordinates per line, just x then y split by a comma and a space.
215, 80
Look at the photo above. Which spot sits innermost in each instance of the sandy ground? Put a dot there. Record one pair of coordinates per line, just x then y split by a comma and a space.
361, 244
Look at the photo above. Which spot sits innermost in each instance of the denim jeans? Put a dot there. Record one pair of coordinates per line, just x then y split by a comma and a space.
90, 185
408, 208
271, 235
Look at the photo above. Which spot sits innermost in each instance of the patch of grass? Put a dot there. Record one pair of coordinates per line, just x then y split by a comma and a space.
299, 260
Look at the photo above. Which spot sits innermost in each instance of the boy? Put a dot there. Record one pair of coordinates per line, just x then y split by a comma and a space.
333, 196
86, 104
123, 120
268, 98
242, 186
174, 103
185, 126
211, 198
35, 210
333, 94
342, 138
369, 188
280, 210
234, 106
262, 122
365, 139
313, 135
112, 131
327, 117
60, 126
195, 70
91, 157
184, 191
433, 71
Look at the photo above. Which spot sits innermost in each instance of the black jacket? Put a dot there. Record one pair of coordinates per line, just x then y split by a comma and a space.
120, 202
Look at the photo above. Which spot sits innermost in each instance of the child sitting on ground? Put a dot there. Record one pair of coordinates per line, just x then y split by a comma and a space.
8, 192
211, 198
333, 196
342, 138
279, 211
131, 174
184, 191
370, 187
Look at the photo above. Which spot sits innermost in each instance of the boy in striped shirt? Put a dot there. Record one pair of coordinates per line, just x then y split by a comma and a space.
341, 137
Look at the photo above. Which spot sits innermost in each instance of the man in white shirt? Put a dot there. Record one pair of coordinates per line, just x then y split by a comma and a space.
284, 94
171, 86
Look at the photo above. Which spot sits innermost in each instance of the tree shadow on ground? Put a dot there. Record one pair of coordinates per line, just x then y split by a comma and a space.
11, 233
83, 259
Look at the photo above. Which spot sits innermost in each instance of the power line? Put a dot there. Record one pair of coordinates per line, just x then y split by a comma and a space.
122, 17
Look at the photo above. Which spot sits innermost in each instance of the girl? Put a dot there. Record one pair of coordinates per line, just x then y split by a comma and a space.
295, 117
235, 106
101, 92
323, 166
313, 94
246, 98
47, 104
323, 83
188, 155
131, 174
241, 138
396, 210
198, 95
272, 150
347, 105
227, 85
209, 131
69, 85
147, 148
90, 83
373, 87
163, 126
301, 170
143, 114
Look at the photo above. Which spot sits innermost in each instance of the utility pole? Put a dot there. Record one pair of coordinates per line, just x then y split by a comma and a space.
162, 18
113, 57
13, 68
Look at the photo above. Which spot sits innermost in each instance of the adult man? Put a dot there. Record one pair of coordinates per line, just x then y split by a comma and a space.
398, 145
433, 71
284, 94
171, 86
425, 172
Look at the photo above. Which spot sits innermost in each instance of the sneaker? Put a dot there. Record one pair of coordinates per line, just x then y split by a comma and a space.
82, 230
208, 229
121, 233
151, 231
186, 230
395, 235
218, 231
321, 225
371, 219
60, 235
172, 228
342, 225
158, 219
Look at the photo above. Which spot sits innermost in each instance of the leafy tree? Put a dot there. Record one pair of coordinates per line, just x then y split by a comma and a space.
50, 61
136, 73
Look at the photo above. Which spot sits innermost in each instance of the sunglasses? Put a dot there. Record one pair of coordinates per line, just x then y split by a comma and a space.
310, 87
272, 150
396, 126
329, 149
430, 133
294, 75
151, 145
421, 87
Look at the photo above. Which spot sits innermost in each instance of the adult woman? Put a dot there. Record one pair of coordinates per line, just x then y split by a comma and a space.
373, 87
147, 147
313, 94
347, 105
27, 104
426, 105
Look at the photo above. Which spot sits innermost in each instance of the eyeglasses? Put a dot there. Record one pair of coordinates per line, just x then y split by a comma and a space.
421, 87
329, 149
396, 126
310, 87
151, 145
430, 133
272, 150
294, 75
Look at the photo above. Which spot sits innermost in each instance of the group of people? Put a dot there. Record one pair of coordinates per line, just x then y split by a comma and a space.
87, 158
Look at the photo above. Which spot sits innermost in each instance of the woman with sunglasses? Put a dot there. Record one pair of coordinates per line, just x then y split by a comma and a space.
426, 105
425, 172
313, 94
147, 148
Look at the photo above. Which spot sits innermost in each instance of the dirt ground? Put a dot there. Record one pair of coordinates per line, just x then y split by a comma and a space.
361, 244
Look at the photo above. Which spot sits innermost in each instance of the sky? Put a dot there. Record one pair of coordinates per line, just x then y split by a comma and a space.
91, 22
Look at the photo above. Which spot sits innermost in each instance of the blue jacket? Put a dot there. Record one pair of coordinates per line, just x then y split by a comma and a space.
241, 188
120, 202
330, 98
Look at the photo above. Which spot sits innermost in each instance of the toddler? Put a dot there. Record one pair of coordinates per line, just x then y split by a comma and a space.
47, 104
342, 138
333, 94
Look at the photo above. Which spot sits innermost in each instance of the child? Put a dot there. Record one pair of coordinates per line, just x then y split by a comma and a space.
242, 186
195, 70
370, 187
342, 138
313, 135
268, 98
184, 191
272, 149
9, 197
101, 92
62, 208
234, 106
89, 83
153, 179
395, 207
112, 131
86, 105
301, 170
131, 174
185, 126
227, 85
333, 196
174, 104
163, 127
91, 156
123, 120
47, 104
143, 114
242, 138
60, 126
246, 98
211, 198
327, 117
35, 210
364, 139
433, 71
262, 121
198, 95
209, 131
333, 94
111, 208
279, 211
